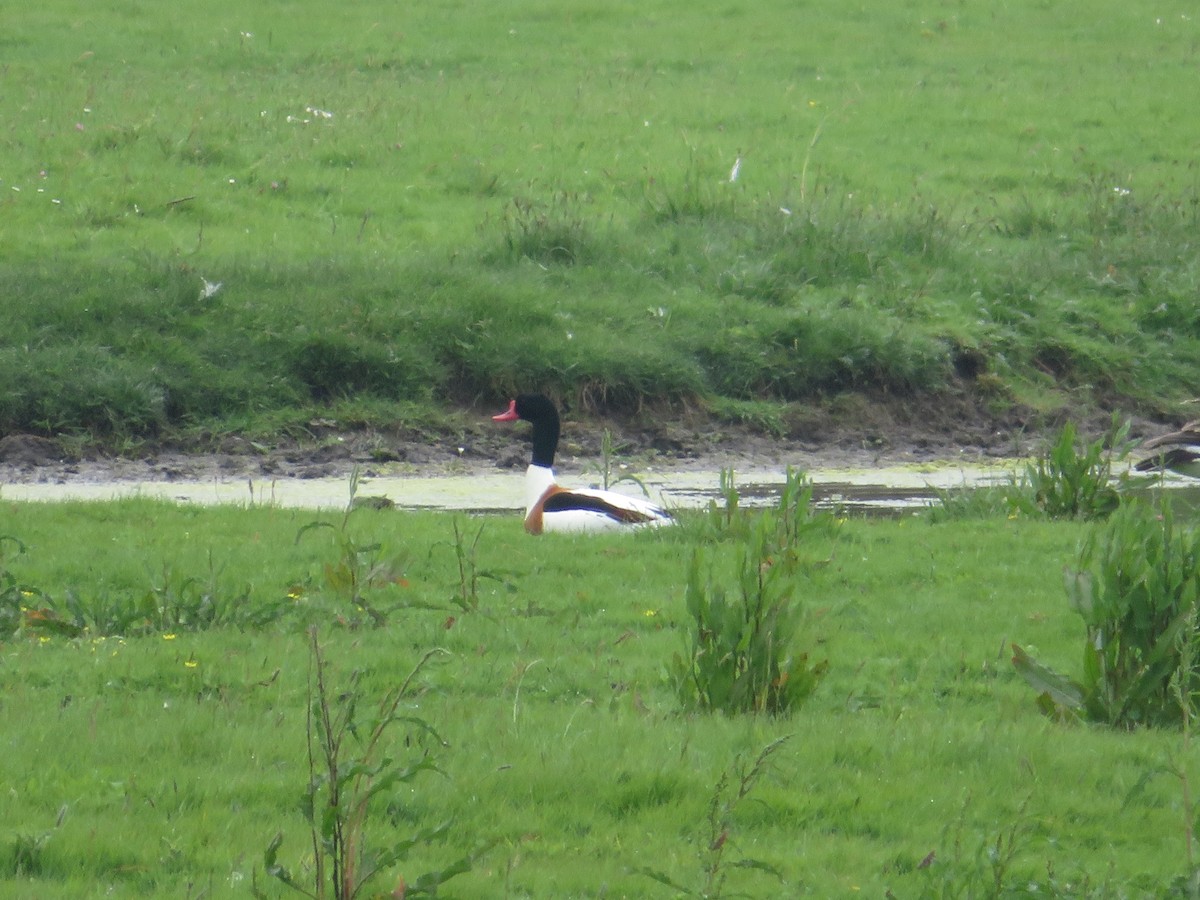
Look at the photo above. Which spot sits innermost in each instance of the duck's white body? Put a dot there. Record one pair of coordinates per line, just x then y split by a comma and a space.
550, 507
1178, 451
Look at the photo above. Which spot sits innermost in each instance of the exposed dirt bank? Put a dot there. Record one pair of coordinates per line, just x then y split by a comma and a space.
844, 434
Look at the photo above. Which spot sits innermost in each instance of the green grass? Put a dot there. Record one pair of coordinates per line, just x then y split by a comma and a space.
412, 209
173, 758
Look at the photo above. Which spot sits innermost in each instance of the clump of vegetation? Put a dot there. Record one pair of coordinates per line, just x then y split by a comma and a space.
556, 232
723, 516
743, 654
28, 849
1070, 481
791, 522
1137, 588
1178, 765
794, 516
959, 503
345, 781
172, 603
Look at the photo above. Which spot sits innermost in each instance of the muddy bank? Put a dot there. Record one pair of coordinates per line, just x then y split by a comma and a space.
847, 435
27, 459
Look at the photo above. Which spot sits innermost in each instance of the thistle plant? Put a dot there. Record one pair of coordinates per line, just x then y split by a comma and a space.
468, 571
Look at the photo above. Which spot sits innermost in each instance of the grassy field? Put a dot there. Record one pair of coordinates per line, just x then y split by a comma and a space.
158, 752
233, 217
411, 209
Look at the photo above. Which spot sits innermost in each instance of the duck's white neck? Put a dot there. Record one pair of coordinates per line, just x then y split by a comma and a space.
538, 479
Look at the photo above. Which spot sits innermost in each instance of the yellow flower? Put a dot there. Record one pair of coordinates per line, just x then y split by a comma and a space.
169, 636
650, 613
191, 663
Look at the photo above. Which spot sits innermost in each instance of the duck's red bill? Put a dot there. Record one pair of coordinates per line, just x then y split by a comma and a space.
509, 414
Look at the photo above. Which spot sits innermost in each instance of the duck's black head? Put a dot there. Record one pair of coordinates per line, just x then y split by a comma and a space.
536, 408
539, 411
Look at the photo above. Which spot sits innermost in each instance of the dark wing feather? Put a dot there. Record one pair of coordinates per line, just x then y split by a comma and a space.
565, 501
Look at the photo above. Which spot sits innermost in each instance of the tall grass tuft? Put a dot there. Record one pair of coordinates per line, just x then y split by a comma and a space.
28, 849
555, 232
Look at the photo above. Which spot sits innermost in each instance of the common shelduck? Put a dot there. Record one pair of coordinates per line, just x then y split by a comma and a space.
1180, 451
549, 507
